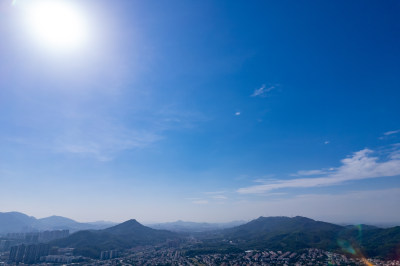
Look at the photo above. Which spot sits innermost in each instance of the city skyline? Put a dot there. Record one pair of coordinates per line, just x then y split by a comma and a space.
201, 111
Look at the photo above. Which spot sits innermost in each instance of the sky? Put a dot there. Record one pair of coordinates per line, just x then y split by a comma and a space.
208, 111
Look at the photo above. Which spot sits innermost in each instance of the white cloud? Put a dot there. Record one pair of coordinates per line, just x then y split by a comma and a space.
262, 91
104, 143
388, 133
238, 113
104, 137
361, 165
327, 142
200, 202
310, 172
219, 197
391, 132
215, 192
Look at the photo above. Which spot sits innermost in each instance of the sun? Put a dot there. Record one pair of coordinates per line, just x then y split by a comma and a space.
57, 24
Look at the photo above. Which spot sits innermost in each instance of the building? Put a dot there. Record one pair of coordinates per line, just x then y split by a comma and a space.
28, 253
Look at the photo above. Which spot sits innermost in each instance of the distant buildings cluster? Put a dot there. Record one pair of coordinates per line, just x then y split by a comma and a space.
36, 237
28, 254
61, 259
164, 255
6, 244
109, 254
173, 256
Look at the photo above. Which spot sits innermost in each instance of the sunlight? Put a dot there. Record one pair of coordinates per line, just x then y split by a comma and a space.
57, 24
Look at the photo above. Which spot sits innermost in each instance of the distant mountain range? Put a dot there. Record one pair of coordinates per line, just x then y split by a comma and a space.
274, 233
192, 227
16, 222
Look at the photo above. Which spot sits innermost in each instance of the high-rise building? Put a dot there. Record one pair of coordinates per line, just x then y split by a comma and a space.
28, 254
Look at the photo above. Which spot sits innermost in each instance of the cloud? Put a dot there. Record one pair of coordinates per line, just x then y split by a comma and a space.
219, 197
200, 202
391, 132
103, 137
105, 143
238, 113
215, 192
361, 165
262, 91
309, 172
327, 142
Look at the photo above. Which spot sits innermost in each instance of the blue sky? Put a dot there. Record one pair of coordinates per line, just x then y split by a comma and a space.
204, 111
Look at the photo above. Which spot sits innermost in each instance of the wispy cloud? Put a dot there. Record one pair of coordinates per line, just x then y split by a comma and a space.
386, 135
219, 197
391, 132
200, 202
104, 145
262, 91
238, 113
103, 138
309, 172
361, 165
215, 192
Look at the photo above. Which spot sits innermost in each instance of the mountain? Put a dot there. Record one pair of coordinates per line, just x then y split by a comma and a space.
373, 242
293, 234
137, 232
276, 225
192, 227
59, 223
122, 236
284, 233
15, 222
11, 222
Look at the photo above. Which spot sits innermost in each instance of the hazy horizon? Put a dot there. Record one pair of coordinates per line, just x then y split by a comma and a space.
200, 110
144, 222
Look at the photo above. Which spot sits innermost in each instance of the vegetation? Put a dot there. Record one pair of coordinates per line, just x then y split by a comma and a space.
273, 233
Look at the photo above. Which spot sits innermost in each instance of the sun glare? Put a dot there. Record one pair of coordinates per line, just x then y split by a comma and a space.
57, 24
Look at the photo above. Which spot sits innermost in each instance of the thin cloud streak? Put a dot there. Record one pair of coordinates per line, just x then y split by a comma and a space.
201, 202
391, 132
262, 91
361, 165
105, 138
104, 147
219, 197
310, 172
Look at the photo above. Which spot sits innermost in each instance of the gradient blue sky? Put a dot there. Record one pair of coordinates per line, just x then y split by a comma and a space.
205, 111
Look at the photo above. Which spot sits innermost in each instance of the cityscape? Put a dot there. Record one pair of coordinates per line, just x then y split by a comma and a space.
39, 254
264, 241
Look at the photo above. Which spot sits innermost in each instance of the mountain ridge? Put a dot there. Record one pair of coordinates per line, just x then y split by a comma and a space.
17, 222
193, 227
122, 236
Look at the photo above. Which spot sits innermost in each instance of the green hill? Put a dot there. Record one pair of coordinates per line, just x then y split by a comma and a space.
294, 234
125, 235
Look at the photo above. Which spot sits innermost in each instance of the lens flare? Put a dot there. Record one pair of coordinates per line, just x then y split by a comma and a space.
56, 23
346, 246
